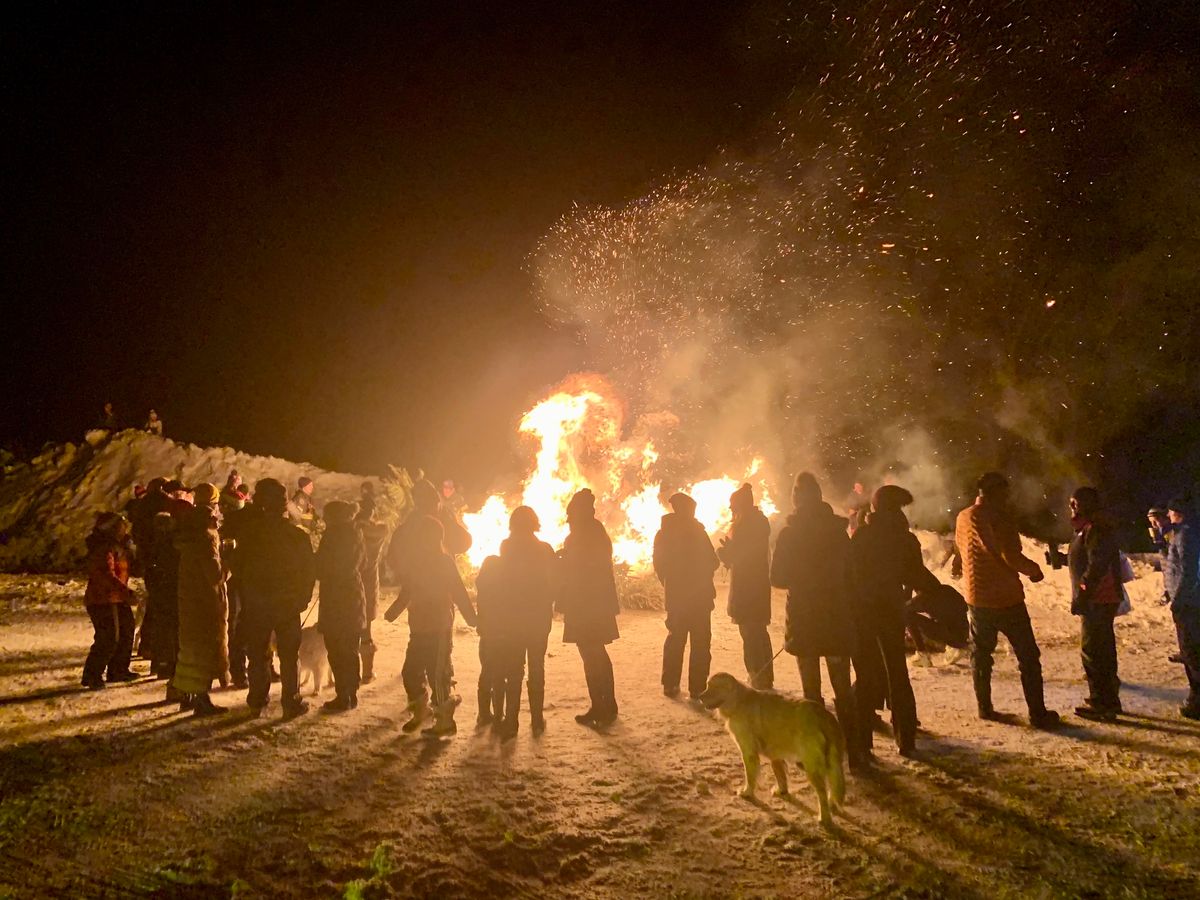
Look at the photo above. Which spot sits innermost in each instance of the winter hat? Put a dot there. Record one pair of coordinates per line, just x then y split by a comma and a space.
806, 490
425, 496
304, 481
1087, 500
523, 521
339, 512
742, 498
890, 497
682, 504
1179, 505
1157, 511
582, 505
107, 522
205, 494
270, 496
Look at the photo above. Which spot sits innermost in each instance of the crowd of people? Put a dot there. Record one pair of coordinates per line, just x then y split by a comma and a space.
229, 576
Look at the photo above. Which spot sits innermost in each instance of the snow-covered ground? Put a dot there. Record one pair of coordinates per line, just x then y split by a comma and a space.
48, 506
117, 794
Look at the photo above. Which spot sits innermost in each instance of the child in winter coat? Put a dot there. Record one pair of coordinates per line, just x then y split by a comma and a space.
342, 600
109, 602
430, 589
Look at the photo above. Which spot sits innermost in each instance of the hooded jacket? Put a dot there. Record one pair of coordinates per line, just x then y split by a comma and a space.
203, 605
747, 554
684, 561
588, 600
886, 566
274, 564
108, 571
810, 564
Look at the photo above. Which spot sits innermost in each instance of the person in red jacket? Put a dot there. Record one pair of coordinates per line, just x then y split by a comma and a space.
109, 601
1094, 561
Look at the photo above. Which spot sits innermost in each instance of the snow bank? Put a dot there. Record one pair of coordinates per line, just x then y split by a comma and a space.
48, 506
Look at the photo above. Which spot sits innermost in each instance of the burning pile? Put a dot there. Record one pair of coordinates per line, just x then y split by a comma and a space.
578, 430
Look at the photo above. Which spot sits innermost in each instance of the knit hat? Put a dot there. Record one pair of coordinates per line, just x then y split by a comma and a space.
205, 494
270, 496
304, 481
1179, 505
806, 489
582, 505
890, 497
682, 504
742, 498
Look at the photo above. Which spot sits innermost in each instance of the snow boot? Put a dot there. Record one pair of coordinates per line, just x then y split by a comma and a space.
420, 712
537, 718
922, 660
294, 708
340, 703
952, 656
443, 719
202, 705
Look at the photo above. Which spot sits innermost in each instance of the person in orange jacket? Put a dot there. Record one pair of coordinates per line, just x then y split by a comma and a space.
109, 601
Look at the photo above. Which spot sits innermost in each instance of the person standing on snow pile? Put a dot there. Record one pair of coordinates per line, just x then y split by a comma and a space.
153, 424
588, 602
276, 569
993, 564
810, 563
342, 614
203, 611
374, 536
1181, 575
684, 562
885, 567
108, 419
430, 589
526, 584
746, 552
1094, 561
109, 601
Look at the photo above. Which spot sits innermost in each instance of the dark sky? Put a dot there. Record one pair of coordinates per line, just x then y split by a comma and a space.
305, 231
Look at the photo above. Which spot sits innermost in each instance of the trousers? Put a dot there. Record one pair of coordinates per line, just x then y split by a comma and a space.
257, 627
1013, 622
112, 645
695, 627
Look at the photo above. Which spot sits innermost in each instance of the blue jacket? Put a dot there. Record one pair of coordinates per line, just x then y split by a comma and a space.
1181, 568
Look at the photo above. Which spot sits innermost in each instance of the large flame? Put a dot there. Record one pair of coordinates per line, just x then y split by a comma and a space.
578, 434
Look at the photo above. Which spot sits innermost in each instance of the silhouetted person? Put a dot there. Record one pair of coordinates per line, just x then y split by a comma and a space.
108, 419
109, 601
810, 560
684, 561
236, 514
374, 535
885, 567
426, 502
154, 424
430, 589
277, 570
494, 632
342, 615
1181, 575
993, 564
1094, 561
527, 569
203, 648
589, 604
746, 552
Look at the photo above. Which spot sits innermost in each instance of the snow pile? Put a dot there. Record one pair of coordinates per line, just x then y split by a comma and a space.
48, 506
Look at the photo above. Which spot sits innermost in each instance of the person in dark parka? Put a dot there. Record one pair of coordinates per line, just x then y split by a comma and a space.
277, 570
342, 615
885, 568
589, 604
493, 636
810, 564
746, 552
1094, 561
684, 561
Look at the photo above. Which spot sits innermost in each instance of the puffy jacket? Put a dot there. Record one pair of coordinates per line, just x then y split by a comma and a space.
108, 571
588, 600
1181, 568
684, 561
274, 564
990, 548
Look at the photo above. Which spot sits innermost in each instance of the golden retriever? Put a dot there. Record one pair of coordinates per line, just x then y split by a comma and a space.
782, 730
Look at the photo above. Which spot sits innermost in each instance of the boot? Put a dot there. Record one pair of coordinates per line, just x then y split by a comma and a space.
485, 705
537, 699
922, 660
202, 705
983, 695
443, 719
367, 654
294, 708
420, 712
340, 703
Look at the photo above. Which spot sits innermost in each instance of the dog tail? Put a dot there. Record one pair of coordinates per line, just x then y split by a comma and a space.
835, 753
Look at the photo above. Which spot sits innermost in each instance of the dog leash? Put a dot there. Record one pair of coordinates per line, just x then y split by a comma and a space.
770, 663
312, 606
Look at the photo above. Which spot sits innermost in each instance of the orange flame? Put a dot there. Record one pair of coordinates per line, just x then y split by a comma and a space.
578, 434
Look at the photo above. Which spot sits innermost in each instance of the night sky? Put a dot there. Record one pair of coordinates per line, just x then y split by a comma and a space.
307, 233
326, 234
